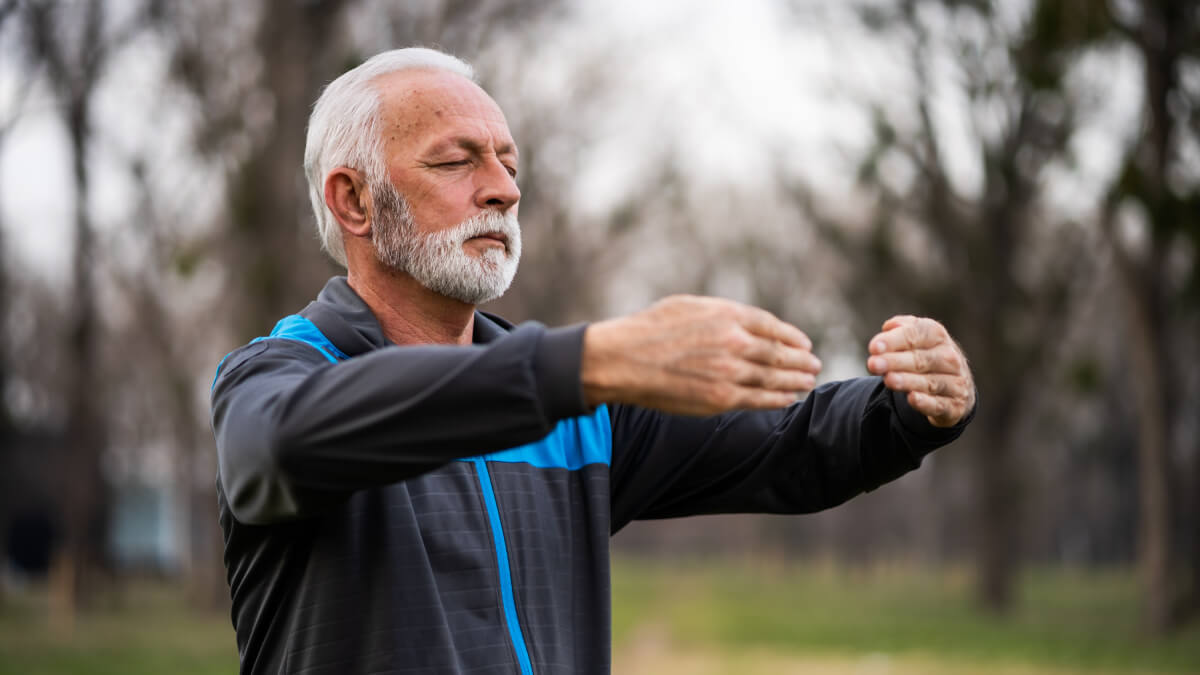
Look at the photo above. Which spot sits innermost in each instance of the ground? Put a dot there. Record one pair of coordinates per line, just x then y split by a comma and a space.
701, 618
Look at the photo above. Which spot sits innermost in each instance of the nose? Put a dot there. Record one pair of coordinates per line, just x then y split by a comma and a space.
495, 189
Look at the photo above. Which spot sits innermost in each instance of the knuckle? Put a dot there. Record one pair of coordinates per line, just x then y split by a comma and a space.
726, 369
724, 396
950, 357
961, 365
735, 340
756, 376
920, 361
769, 378
778, 355
765, 317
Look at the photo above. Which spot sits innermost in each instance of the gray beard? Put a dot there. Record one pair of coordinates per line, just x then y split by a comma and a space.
437, 260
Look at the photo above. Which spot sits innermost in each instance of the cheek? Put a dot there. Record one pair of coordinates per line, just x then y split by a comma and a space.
438, 209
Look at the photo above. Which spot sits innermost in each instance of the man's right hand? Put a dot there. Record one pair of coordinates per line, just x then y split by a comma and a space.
697, 356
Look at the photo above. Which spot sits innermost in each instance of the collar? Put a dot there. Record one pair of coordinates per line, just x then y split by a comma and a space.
348, 323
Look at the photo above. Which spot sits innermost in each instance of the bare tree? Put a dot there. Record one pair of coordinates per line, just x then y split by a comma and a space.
71, 48
7, 430
992, 262
293, 49
7, 11
1161, 299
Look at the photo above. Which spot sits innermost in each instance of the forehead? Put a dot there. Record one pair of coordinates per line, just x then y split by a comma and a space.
421, 108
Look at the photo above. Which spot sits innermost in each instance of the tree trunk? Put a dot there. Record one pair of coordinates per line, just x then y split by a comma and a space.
7, 439
1149, 382
85, 498
1192, 610
1163, 25
276, 244
997, 513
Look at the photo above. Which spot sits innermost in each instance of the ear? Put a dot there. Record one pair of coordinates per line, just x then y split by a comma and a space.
347, 197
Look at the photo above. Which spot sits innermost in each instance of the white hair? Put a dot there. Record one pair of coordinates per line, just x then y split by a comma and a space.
344, 128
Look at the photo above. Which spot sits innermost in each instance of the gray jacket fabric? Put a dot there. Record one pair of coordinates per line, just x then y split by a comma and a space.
447, 509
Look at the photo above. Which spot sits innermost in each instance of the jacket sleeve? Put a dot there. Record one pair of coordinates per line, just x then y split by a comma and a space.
296, 432
843, 439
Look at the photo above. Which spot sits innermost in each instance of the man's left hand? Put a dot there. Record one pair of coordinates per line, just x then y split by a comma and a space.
917, 356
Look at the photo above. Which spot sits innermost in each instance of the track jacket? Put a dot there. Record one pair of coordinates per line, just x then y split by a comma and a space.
447, 509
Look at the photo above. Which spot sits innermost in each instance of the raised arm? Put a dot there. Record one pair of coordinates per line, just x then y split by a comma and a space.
845, 438
295, 431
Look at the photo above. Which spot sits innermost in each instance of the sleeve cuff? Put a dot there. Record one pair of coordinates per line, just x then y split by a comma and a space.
559, 359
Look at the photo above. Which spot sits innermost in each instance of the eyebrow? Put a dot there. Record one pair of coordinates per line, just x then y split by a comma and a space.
473, 146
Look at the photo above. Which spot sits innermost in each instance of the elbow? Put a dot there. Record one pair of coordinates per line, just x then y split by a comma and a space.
256, 483
254, 504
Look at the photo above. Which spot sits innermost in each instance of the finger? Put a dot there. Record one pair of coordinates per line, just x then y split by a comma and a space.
776, 379
898, 320
762, 399
762, 323
780, 355
943, 359
948, 386
917, 334
941, 411
729, 396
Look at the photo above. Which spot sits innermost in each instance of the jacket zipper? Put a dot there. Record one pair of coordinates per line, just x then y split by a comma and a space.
506, 586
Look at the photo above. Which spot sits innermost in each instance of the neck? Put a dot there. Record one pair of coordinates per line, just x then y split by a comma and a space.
411, 314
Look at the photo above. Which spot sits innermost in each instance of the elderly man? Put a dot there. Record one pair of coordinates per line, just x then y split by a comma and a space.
407, 484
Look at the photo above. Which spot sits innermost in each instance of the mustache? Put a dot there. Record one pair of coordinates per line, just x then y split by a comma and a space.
485, 223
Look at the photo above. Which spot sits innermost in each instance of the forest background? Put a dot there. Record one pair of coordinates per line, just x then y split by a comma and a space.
1026, 171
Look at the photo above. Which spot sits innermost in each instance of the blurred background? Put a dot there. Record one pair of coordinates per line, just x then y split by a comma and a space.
1026, 171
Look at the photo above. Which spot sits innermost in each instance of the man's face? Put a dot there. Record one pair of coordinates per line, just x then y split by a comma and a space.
451, 206
440, 260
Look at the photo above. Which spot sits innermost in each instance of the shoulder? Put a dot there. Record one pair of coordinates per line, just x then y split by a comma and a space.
268, 354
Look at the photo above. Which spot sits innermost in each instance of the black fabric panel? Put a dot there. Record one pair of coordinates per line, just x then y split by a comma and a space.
556, 524
401, 579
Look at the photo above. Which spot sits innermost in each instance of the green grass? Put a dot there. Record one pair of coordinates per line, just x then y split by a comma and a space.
1066, 620
702, 618
147, 630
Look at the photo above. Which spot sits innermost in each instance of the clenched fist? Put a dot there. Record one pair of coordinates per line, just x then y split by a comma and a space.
917, 356
697, 356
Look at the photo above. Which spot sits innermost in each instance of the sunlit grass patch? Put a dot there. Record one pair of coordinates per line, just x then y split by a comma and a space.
1065, 620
